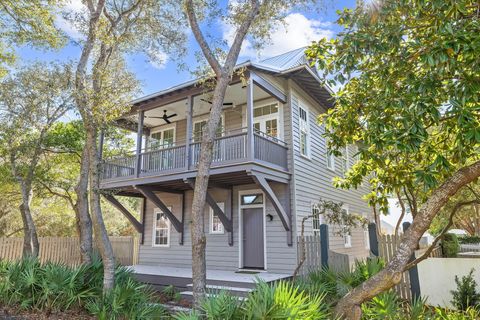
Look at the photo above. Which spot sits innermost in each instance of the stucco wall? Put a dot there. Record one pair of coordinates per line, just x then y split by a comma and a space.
437, 277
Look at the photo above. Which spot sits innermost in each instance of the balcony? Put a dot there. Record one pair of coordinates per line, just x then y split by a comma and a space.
230, 149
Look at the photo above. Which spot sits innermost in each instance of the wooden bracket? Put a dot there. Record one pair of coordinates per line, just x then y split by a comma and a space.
284, 215
227, 221
137, 225
149, 193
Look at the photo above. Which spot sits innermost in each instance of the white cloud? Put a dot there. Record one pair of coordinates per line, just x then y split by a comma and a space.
71, 7
158, 59
298, 31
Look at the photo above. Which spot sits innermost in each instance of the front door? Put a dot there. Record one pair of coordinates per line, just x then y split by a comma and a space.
253, 253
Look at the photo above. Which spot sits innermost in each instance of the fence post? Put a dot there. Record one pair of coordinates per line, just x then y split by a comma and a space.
373, 239
324, 245
413, 272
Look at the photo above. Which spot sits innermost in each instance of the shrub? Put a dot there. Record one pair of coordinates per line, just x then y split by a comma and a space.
450, 245
55, 287
469, 239
384, 306
466, 295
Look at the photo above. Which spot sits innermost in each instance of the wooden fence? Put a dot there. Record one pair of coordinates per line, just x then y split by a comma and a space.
387, 245
313, 253
67, 250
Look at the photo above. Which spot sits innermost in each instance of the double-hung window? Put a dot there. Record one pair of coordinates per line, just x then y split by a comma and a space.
330, 157
347, 237
316, 220
345, 160
216, 226
163, 138
200, 126
304, 132
161, 236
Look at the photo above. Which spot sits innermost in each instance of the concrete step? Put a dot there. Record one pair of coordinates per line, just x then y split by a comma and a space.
188, 295
235, 291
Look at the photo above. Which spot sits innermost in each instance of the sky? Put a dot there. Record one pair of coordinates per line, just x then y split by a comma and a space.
302, 28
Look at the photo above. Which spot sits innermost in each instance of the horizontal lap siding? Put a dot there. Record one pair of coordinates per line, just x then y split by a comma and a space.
219, 255
313, 180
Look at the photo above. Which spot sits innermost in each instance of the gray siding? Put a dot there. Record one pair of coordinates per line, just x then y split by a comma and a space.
313, 180
280, 257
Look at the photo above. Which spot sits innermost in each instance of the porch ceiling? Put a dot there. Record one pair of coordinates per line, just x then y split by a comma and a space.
236, 94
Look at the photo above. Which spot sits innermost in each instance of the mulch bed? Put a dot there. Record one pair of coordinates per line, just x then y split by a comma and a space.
8, 313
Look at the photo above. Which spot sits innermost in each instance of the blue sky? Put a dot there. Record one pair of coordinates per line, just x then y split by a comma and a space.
303, 27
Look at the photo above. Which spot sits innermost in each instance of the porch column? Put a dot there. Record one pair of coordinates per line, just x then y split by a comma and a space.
249, 114
138, 162
189, 116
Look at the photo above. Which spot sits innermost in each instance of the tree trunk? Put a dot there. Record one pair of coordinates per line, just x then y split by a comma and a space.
101, 235
84, 222
349, 306
199, 241
30, 238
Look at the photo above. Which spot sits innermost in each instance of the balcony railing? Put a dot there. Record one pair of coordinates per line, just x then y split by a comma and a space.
229, 149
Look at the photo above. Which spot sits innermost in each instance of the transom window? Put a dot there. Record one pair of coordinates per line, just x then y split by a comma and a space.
256, 198
216, 226
162, 139
161, 229
304, 132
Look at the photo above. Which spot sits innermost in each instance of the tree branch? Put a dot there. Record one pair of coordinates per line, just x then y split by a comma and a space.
426, 254
192, 18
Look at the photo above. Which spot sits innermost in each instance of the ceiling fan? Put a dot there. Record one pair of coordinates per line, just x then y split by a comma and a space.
164, 117
225, 103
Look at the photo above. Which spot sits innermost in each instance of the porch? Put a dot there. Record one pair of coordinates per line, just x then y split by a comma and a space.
237, 282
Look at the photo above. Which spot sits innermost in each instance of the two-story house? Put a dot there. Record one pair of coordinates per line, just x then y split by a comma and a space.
271, 166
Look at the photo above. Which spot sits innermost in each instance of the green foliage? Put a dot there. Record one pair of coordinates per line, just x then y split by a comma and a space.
407, 73
52, 287
222, 306
469, 239
384, 306
445, 314
450, 245
466, 294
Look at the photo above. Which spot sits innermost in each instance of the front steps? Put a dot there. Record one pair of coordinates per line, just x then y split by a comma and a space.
239, 289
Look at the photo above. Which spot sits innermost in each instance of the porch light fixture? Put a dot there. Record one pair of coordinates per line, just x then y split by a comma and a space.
270, 217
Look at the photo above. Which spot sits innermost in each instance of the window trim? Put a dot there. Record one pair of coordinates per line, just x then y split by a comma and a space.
320, 219
307, 133
154, 229
347, 238
203, 118
271, 116
212, 213
330, 155
366, 239
162, 129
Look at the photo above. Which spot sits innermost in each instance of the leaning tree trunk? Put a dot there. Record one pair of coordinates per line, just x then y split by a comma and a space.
30, 238
199, 241
101, 235
349, 306
84, 222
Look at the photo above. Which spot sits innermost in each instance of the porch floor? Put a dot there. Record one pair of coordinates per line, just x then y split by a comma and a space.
212, 275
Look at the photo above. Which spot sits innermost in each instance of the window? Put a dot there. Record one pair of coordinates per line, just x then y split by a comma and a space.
330, 158
347, 237
266, 120
366, 238
304, 132
216, 226
316, 220
161, 229
199, 128
162, 139
345, 160
256, 198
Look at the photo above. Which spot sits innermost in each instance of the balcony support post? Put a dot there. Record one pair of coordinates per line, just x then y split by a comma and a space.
138, 160
249, 113
113, 201
189, 116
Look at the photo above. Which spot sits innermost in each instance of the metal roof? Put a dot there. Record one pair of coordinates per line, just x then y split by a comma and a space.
293, 63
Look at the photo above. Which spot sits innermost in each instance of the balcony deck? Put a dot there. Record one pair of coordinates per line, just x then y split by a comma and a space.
229, 152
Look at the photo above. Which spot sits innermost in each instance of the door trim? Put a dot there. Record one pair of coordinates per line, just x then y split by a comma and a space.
240, 225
